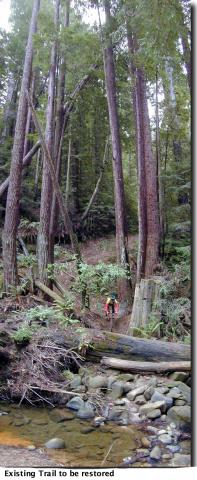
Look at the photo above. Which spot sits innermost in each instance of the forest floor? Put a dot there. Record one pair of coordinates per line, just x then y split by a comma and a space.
41, 372
13, 311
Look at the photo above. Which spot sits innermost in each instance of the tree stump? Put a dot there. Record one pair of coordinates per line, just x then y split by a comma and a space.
145, 299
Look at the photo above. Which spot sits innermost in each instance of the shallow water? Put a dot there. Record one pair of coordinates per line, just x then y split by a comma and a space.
106, 445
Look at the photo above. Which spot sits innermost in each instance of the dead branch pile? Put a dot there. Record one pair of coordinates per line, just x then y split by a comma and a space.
38, 375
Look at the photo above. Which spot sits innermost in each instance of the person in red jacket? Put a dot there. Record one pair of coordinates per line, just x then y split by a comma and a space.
111, 308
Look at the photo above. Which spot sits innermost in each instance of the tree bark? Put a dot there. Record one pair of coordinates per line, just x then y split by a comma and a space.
65, 216
13, 197
43, 241
26, 162
58, 134
144, 367
123, 346
8, 115
142, 214
67, 192
148, 248
27, 143
121, 230
145, 298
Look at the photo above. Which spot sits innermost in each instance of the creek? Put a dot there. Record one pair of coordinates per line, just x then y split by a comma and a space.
109, 445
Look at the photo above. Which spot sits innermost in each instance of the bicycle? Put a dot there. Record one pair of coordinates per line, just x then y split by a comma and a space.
110, 315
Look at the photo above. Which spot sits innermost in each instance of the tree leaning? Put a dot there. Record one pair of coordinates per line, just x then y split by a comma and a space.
13, 197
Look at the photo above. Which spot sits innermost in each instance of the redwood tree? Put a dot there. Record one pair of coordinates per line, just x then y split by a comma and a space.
58, 133
148, 249
110, 80
13, 197
46, 192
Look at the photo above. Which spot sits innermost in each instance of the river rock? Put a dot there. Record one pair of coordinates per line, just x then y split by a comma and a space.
31, 448
142, 452
144, 409
137, 391
129, 460
127, 387
60, 415
179, 376
98, 381
85, 413
145, 442
163, 390
179, 403
116, 390
152, 429
154, 414
165, 439
185, 392
140, 400
174, 393
149, 392
185, 446
155, 453
180, 460
157, 396
163, 418
135, 418
98, 421
86, 430
121, 401
115, 414
75, 403
111, 380
75, 382
126, 377
173, 448
180, 415
167, 456
55, 443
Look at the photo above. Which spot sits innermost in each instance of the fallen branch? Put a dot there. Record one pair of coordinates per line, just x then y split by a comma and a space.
26, 163
63, 210
92, 199
54, 390
144, 367
48, 291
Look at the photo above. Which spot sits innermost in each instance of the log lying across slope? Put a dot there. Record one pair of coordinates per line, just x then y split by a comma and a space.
123, 346
133, 366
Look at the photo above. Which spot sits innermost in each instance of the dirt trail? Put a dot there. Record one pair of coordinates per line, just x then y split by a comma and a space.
95, 251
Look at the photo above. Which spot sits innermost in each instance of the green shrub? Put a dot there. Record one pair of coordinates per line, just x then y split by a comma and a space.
23, 334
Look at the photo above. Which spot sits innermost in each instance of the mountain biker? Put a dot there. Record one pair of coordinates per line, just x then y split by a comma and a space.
111, 307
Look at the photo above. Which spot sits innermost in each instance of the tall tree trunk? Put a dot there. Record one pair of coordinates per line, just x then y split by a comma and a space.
152, 247
142, 213
148, 249
158, 161
27, 143
67, 192
121, 231
8, 117
46, 193
13, 197
58, 134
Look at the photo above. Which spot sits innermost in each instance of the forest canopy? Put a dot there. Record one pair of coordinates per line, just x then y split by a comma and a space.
95, 143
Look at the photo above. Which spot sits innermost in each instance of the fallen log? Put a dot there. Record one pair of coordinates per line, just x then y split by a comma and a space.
110, 344
132, 366
48, 291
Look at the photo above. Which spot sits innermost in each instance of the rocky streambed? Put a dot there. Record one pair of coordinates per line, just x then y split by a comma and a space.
111, 419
